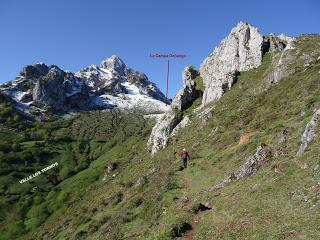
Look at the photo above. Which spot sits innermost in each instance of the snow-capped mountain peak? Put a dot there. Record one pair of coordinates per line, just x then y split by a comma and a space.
114, 64
109, 85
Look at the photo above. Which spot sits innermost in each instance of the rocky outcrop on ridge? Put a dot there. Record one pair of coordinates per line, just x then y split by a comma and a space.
243, 49
240, 51
165, 126
160, 135
188, 92
281, 57
309, 132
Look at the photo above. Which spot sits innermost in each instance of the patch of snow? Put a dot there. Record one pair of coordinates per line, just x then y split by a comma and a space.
20, 95
9, 84
94, 74
25, 107
131, 101
132, 89
90, 83
105, 72
76, 86
16, 94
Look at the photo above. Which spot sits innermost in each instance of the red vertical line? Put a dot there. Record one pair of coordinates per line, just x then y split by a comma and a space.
168, 70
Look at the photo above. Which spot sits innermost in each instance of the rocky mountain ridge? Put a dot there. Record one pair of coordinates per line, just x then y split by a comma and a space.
242, 50
48, 89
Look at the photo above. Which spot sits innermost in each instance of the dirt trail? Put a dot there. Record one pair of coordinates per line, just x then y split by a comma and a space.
191, 234
186, 185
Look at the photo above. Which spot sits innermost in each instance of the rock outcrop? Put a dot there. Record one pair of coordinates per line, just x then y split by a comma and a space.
243, 50
282, 148
184, 122
282, 57
167, 124
309, 133
187, 93
289, 55
240, 51
253, 163
283, 136
60, 91
160, 134
249, 168
34, 71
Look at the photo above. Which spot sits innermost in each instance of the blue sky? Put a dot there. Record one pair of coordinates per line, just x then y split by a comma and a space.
75, 34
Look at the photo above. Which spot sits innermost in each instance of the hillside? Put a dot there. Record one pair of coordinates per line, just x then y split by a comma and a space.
245, 179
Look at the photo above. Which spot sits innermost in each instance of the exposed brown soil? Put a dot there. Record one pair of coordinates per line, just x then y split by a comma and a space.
189, 235
246, 137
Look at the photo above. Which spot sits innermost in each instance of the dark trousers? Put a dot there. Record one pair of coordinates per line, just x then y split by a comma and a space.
184, 162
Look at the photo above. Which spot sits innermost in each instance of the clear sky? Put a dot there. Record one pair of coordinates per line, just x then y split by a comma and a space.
76, 33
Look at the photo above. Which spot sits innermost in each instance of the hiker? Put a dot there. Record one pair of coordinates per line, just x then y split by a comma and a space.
184, 155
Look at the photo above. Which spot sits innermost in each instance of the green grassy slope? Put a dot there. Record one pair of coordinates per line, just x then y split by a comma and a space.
76, 145
148, 197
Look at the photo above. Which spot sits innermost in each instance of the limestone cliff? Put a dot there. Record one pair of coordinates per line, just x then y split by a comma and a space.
240, 51
243, 49
167, 124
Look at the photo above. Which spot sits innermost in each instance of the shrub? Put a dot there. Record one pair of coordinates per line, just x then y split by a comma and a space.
36, 216
63, 196
15, 229
38, 211
24, 203
32, 223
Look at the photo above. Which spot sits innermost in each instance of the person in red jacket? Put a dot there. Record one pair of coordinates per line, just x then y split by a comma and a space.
184, 155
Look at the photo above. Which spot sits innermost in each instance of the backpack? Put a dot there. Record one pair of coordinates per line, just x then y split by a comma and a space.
184, 154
